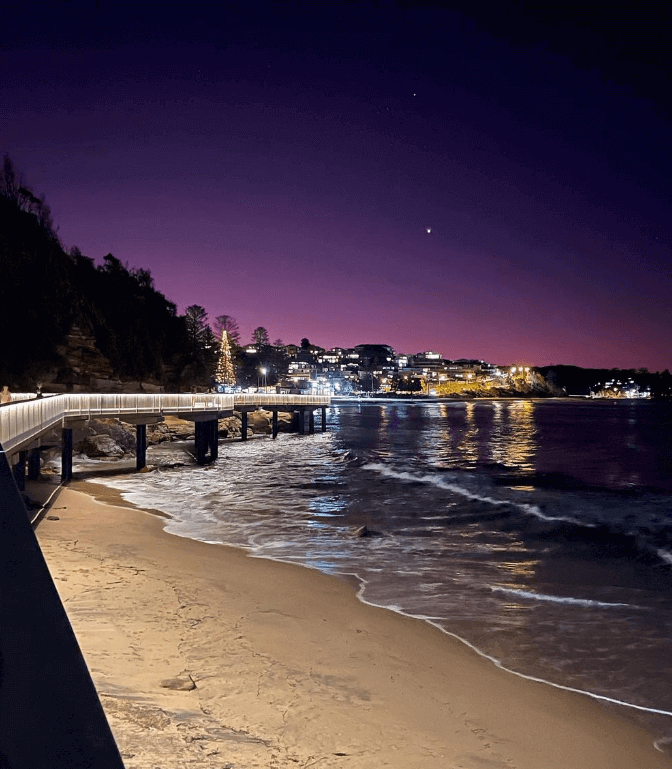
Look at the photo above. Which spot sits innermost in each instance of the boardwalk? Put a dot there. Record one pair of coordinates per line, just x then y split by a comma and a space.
25, 420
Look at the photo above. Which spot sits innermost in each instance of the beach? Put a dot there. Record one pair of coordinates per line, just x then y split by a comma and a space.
283, 666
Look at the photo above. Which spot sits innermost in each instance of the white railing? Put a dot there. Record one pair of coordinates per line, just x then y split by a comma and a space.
280, 399
118, 404
22, 421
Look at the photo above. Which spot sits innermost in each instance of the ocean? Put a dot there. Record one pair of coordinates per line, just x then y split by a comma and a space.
537, 531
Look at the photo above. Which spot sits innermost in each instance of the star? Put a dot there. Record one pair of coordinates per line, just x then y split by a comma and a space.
429, 229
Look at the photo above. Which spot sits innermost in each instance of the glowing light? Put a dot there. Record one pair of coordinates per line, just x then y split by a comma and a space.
429, 229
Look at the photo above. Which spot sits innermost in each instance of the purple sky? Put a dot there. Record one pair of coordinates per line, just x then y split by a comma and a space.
283, 164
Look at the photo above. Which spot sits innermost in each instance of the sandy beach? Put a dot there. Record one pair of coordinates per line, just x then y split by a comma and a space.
283, 666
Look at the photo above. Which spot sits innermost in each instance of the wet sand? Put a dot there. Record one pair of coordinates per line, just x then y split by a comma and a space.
284, 667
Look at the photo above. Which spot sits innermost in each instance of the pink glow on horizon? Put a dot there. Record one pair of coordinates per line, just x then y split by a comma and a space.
290, 181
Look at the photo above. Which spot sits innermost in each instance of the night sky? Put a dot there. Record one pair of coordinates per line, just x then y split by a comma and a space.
485, 186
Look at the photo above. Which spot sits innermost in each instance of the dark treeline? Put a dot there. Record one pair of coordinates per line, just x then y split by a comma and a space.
580, 381
45, 290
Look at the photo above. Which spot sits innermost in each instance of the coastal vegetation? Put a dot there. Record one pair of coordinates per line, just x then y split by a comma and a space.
46, 291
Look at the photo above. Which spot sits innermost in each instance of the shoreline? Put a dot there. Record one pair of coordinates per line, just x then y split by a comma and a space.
340, 678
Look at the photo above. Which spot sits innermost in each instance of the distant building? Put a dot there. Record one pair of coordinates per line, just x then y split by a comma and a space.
619, 389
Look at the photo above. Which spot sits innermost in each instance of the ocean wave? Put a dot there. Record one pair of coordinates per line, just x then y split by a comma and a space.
558, 599
405, 475
635, 543
665, 556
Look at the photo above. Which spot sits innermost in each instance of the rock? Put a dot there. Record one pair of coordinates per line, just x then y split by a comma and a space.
101, 446
121, 433
158, 433
179, 429
181, 684
53, 518
229, 427
365, 531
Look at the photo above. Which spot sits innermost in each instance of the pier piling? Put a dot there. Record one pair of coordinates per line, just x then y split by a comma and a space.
140, 446
66, 454
34, 464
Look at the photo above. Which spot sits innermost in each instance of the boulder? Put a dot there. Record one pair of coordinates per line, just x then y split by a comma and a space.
158, 433
181, 683
229, 427
121, 433
179, 429
365, 531
101, 446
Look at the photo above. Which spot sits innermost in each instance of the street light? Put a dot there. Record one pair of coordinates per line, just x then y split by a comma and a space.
262, 372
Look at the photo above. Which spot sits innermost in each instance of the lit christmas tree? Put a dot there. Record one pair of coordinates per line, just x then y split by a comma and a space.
224, 373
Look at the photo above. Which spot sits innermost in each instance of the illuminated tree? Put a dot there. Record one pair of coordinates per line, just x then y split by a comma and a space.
224, 373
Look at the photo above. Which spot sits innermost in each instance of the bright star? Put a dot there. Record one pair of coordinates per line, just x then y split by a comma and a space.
429, 229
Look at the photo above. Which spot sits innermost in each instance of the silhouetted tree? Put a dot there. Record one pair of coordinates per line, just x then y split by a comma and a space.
260, 336
8, 184
228, 323
196, 319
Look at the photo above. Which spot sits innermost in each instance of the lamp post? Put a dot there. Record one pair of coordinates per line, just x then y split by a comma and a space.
262, 372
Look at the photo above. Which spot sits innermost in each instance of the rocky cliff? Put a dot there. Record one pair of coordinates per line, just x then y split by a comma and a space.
81, 367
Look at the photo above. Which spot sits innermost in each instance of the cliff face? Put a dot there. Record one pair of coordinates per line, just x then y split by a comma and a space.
83, 368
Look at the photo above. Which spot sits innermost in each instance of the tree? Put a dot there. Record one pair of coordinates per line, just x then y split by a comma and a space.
260, 337
202, 346
228, 323
224, 373
305, 343
196, 319
8, 185
278, 343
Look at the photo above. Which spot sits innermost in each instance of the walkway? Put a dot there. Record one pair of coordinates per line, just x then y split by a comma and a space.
25, 420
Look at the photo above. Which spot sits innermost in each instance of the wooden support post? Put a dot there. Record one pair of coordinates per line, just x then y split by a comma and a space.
324, 419
66, 454
213, 434
275, 423
50, 714
243, 428
302, 420
311, 422
20, 471
34, 464
140, 446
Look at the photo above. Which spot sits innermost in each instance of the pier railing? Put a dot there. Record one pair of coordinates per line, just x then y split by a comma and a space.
278, 400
